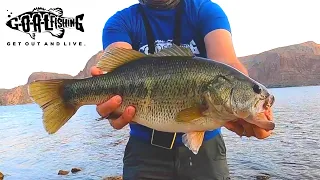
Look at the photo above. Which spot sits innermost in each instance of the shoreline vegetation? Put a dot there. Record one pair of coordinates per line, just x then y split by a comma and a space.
289, 66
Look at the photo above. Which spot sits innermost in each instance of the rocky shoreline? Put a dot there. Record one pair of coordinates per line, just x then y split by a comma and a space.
74, 170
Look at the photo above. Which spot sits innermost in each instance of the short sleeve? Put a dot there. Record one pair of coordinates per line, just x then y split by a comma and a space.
116, 29
211, 17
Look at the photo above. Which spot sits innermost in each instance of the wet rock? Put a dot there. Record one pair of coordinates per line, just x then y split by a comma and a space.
63, 172
113, 178
74, 170
1, 176
262, 176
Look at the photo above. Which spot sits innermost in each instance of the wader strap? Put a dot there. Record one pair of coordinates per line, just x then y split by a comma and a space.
163, 139
150, 35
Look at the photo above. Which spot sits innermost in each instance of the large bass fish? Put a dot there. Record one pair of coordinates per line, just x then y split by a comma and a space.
172, 91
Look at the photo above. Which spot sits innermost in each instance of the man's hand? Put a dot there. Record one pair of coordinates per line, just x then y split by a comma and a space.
113, 104
243, 128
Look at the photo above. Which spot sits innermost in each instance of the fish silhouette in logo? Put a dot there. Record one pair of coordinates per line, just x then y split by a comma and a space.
41, 20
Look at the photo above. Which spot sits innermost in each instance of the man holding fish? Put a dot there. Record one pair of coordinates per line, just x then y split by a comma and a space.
216, 36
173, 75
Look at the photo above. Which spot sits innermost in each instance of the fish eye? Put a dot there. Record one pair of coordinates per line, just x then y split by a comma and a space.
256, 88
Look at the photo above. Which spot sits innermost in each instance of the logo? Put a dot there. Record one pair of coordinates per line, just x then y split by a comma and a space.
41, 20
160, 44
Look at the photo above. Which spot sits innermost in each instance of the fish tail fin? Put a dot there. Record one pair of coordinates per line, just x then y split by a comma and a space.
78, 25
48, 94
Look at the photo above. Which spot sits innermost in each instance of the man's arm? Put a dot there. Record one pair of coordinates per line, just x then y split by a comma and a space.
219, 47
216, 30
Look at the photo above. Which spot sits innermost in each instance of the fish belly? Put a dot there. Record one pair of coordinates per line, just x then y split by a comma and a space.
161, 114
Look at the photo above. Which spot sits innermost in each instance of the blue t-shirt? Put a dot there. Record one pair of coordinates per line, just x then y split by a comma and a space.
199, 17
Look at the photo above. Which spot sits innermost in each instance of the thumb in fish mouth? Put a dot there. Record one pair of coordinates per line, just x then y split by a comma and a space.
262, 121
265, 124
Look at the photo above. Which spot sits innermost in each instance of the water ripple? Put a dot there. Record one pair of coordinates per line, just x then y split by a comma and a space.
28, 152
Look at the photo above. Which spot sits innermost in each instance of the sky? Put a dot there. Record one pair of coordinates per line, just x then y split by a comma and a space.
257, 26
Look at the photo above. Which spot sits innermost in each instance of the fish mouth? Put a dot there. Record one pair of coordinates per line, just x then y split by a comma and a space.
263, 117
259, 113
269, 102
264, 103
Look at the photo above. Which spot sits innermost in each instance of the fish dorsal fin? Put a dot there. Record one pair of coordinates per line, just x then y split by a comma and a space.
174, 50
115, 57
56, 11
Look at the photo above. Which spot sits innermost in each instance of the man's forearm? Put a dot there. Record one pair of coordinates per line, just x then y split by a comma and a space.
219, 47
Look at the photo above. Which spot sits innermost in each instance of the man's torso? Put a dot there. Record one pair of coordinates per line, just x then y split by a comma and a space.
163, 23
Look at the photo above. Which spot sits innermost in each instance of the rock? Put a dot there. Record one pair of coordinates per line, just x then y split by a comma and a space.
86, 70
2, 91
74, 170
294, 65
1, 176
47, 75
263, 176
63, 172
17, 95
113, 178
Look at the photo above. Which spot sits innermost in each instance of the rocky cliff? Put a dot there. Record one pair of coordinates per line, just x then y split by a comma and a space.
2, 91
19, 95
45, 75
294, 65
86, 71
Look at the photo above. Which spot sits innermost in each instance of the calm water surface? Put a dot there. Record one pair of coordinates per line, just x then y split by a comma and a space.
28, 152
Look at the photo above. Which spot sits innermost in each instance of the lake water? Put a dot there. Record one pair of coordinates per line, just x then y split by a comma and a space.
28, 152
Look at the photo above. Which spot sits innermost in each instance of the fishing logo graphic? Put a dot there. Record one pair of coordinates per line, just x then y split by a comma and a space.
41, 20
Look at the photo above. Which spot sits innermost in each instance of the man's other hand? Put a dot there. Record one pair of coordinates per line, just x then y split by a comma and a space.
243, 128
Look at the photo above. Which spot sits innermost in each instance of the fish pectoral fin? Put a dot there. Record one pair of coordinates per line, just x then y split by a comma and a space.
189, 114
116, 57
193, 140
174, 50
48, 94
56, 11
32, 35
57, 33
